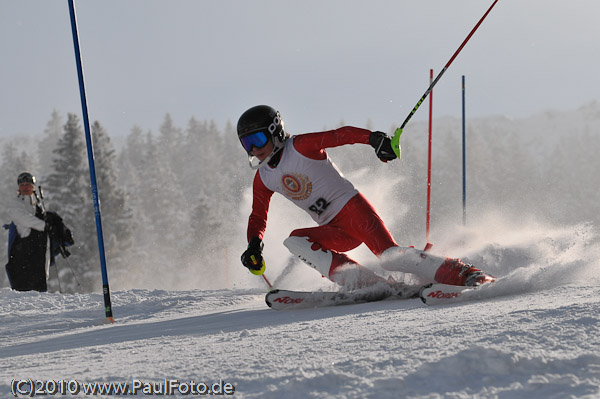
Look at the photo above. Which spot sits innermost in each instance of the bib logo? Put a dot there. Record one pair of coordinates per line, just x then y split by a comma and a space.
296, 186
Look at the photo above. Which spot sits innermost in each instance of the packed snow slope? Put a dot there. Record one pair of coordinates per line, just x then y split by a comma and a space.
538, 338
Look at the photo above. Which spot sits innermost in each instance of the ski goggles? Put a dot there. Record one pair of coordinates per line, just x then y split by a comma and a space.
258, 140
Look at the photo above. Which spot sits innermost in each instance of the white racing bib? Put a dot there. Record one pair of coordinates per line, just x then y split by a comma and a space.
315, 185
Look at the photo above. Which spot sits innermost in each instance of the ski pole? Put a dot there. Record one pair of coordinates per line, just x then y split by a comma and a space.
267, 281
398, 132
261, 271
58, 278
39, 199
72, 270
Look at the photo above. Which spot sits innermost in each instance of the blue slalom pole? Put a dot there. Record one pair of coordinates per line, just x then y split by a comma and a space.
464, 188
90, 151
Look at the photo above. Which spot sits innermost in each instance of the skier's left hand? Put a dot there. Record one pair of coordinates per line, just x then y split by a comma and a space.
382, 145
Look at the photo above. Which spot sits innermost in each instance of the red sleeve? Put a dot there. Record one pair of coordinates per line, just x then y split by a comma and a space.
261, 197
312, 145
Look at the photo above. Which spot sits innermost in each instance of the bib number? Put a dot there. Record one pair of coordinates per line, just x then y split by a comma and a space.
319, 206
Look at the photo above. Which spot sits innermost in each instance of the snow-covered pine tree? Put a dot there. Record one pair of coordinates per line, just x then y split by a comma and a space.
170, 142
206, 241
117, 217
161, 208
199, 156
130, 159
216, 182
47, 145
68, 193
13, 163
131, 162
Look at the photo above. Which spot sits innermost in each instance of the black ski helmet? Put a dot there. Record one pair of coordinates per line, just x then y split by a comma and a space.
25, 177
266, 119
261, 117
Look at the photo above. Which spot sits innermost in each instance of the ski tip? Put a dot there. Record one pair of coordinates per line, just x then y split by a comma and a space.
421, 292
436, 293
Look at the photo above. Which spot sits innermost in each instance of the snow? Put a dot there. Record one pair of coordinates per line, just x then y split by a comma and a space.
538, 338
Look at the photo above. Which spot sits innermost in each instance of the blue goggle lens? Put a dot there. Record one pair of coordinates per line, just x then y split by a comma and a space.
258, 140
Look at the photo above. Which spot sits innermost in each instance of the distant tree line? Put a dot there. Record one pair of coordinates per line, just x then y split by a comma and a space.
167, 199
170, 199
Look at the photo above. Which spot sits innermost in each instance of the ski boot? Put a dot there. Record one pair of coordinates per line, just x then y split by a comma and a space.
455, 272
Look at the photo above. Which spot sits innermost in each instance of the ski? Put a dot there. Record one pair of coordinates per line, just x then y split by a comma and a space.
441, 294
431, 294
289, 299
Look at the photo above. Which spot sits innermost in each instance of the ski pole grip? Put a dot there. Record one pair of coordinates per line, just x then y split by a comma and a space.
396, 142
260, 271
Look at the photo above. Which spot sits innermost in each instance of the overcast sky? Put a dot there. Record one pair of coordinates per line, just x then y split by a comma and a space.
317, 61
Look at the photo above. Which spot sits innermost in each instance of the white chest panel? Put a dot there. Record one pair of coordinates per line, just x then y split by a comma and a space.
317, 186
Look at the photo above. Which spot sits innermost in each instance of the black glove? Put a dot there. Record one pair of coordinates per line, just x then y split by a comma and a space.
252, 258
383, 146
52, 220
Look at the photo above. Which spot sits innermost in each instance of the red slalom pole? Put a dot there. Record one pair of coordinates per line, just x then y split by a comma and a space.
398, 133
464, 157
429, 159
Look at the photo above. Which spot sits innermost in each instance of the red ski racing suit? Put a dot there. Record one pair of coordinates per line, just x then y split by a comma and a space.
306, 176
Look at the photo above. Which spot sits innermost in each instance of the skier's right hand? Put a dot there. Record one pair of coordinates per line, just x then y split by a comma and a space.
252, 258
382, 145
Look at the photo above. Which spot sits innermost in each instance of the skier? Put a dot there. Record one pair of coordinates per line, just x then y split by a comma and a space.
299, 168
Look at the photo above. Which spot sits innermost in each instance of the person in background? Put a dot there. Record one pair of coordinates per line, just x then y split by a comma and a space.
27, 266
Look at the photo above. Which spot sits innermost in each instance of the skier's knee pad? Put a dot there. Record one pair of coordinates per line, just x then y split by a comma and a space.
310, 253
